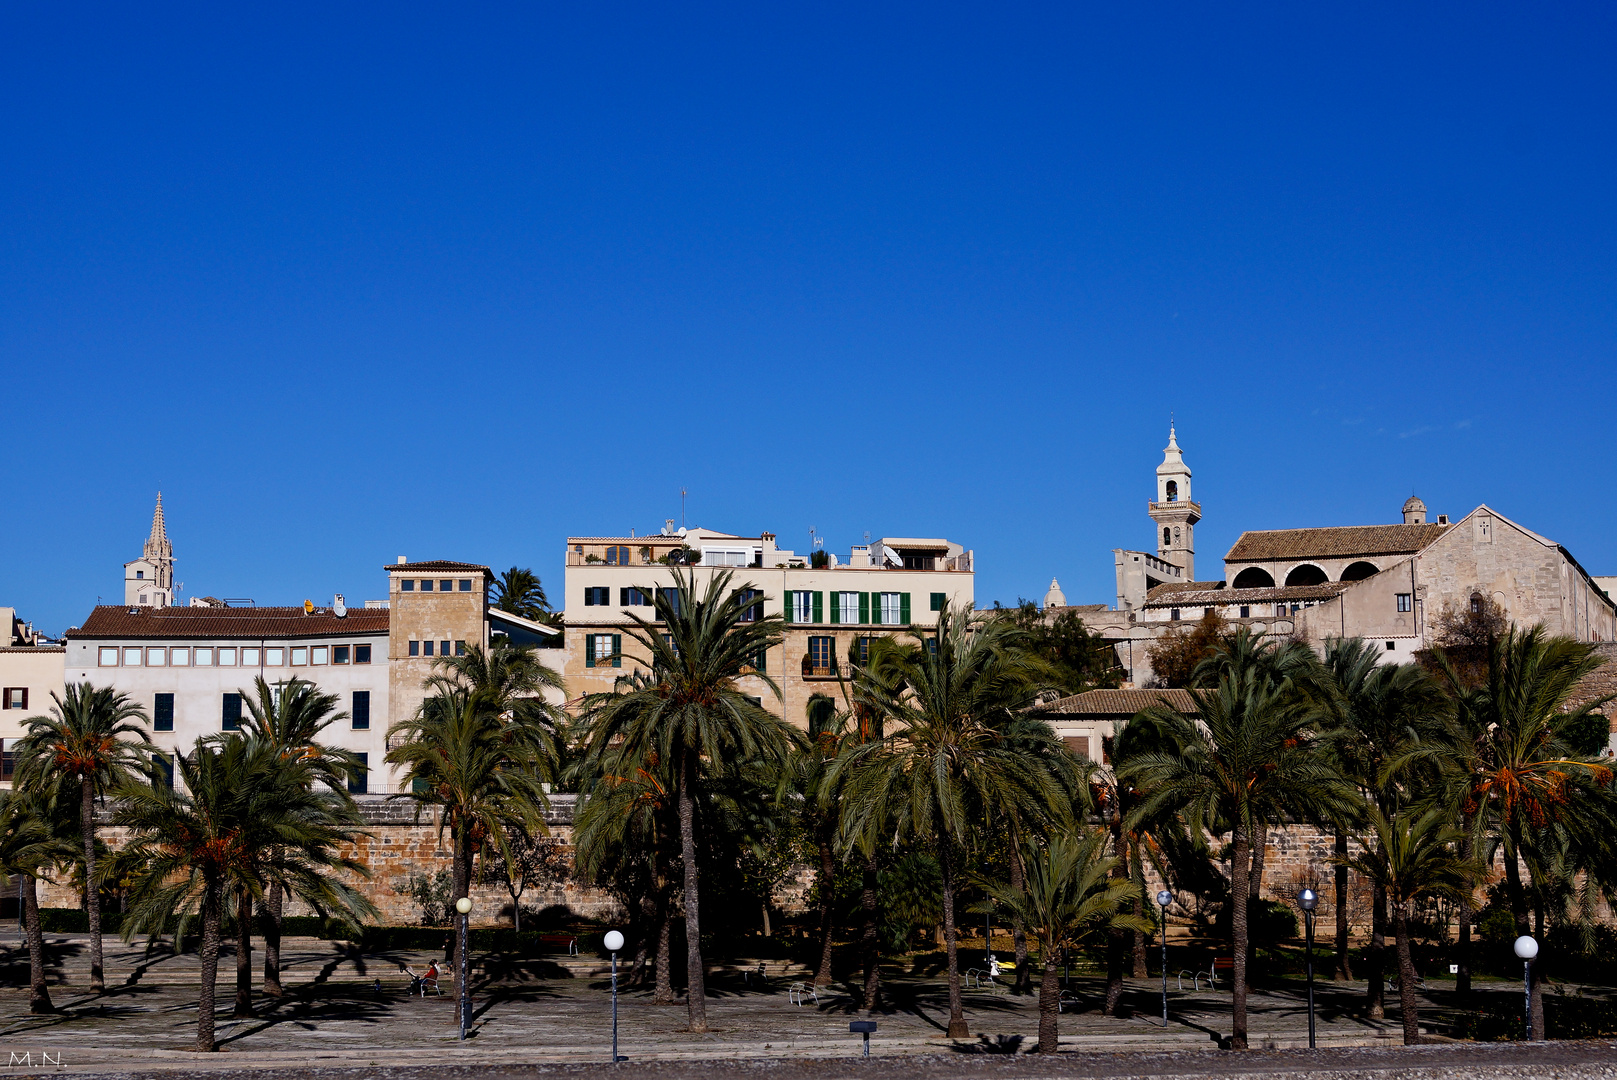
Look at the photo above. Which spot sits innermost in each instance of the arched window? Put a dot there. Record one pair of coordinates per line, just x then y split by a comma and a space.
1173, 491
1165, 540
1476, 603
617, 556
1359, 571
1306, 574
1254, 577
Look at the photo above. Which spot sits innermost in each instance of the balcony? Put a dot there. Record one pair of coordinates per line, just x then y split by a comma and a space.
820, 669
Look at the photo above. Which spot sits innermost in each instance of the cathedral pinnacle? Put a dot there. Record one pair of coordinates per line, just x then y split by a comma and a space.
157, 544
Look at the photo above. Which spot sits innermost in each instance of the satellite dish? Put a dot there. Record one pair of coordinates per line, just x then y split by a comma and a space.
338, 608
308, 607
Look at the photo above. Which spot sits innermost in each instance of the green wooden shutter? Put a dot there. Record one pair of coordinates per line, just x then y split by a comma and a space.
904, 608
938, 600
589, 650
617, 650
836, 607
864, 608
819, 606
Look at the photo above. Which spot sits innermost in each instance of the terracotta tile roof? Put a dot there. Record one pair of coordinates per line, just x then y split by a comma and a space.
1184, 586
1333, 543
115, 621
437, 564
1120, 702
1161, 597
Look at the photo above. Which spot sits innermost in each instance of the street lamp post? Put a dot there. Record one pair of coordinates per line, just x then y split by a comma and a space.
463, 976
1308, 900
1527, 949
1164, 898
613, 942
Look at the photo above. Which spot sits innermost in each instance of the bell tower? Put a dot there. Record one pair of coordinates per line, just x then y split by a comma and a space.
149, 580
1174, 512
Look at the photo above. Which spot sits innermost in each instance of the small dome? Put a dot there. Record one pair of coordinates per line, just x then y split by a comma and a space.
1414, 504
1055, 597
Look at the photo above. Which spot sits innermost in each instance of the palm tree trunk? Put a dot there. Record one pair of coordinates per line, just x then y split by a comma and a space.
1260, 843
664, 992
275, 903
1407, 1002
244, 953
828, 872
1117, 940
1240, 862
1024, 969
870, 945
1137, 872
1375, 984
695, 977
92, 894
209, 955
39, 995
1344, 968
460, 865
957, 1015
1049, 1003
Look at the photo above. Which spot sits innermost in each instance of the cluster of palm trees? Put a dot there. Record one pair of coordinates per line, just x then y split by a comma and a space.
260, 814
932, 751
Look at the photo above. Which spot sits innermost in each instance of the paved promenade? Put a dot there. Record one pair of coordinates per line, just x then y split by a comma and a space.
558, 1013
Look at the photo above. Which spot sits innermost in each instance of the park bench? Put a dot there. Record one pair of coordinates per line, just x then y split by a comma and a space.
981, 979
799, 993
1067, 998
565, 941
1221, 965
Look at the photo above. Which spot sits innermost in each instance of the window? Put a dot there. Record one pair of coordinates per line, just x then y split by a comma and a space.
799, 606
407, 585
630, 597
1476, 604
673, 646
1165, 540
845, 607
202, 657
14, 697
460, 648
1246, 612
340, 654
132, 657
179, 657
300, 655
1173, 614
359, 779
443, 648
426, 648
360, 714
426, 584
465, 584
671, 598
156, 657
938, 600
162, 771
597, 596
107, 657
1390, 646
1173, 491
320, 654
415, 648
1280, 609
362, 654
895, 609
821, 651
752, 612
140, 574
227, 657
760, 661
272, 657
1405, 601
143, 599
163, 712
1077, 745
603, 650
231, 716
617, 555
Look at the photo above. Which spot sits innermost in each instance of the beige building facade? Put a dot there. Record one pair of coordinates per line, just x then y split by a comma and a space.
893, 586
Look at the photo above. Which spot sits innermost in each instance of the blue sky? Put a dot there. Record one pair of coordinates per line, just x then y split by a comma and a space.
355, 282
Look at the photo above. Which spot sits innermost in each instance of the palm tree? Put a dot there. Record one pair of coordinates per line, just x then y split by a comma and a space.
32, 838
692, 714
292, 717
481, 771
1250, 754
91, 740
519, 592
829, 735
947, 760
1070, 895
1410, 857
510, 682
1515, 774
1384, 722
243, 816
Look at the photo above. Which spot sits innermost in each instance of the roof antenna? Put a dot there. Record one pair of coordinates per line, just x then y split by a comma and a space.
682, 494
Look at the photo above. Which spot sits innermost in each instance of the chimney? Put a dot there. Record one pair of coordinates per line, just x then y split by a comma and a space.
402, 560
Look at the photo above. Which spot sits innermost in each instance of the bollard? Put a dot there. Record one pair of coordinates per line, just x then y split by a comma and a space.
863, 1027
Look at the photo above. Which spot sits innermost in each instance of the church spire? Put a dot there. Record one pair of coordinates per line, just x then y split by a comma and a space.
157, 545
1174, 511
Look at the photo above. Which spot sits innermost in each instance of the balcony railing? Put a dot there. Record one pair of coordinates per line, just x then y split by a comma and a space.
819, 669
